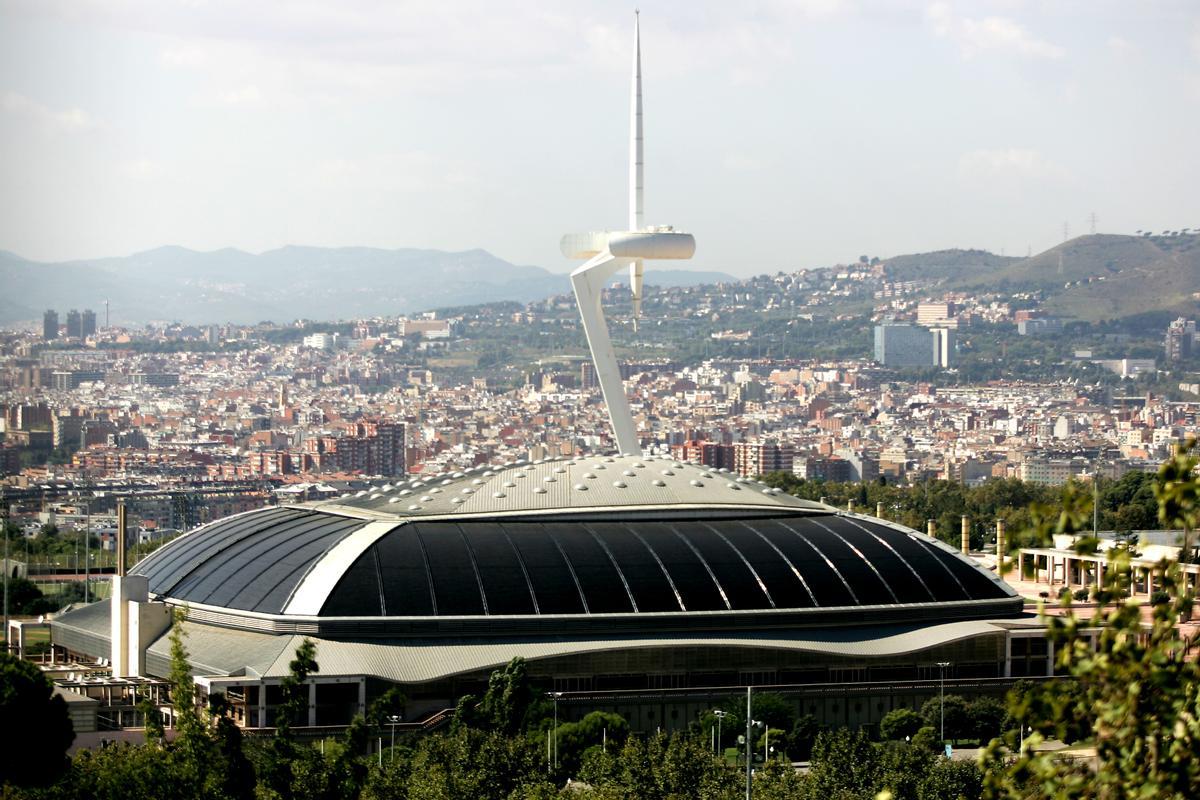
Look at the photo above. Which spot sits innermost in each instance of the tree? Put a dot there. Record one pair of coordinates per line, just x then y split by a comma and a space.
900, 723
950, 780
1139, 687
35, 727
508, 698
844, 763
574, 738
902, 766
985, 718
956, 720
281, 755
803, 736
1178, 494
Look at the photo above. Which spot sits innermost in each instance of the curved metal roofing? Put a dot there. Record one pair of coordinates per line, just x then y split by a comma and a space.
708, 547
604, 482
506, 567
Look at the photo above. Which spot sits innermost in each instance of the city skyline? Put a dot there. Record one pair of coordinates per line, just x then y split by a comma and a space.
884, 128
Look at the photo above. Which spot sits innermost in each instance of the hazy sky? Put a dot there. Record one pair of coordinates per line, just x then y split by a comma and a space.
782, 134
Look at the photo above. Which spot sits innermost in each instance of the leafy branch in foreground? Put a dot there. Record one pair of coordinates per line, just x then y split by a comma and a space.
1139, 684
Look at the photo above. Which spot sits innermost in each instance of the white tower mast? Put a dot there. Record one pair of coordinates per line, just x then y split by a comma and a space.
636, 214
607, 252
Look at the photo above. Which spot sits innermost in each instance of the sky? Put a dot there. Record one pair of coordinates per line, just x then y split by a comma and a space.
784, 135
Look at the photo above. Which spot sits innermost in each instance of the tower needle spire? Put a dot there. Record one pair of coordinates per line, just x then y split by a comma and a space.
636, 176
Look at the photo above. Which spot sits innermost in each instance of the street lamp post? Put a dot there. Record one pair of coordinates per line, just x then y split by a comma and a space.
942, 696
7, 569
556, 696
720, 715
87, 542
749, 722
393, 720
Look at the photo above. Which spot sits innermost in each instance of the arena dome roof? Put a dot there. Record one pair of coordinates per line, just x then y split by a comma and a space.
606, 543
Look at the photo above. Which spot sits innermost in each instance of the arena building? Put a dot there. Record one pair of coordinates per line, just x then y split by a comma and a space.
635, 584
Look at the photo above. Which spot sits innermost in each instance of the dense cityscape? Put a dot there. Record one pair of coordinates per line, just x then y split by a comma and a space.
312, 509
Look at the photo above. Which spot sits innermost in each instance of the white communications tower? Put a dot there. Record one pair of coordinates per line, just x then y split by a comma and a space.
609, 251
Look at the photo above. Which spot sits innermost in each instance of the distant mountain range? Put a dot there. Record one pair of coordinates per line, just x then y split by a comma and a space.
177, 284
1102, 276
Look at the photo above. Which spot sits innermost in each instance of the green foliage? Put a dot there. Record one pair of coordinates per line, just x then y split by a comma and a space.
471, 763
844, 763
902, 766
1139, 688
928, 738
777, 781
956, 718
35, 728
985, 718
24, 597
900, 723
508, 698
951, 780
802, 737
281, 758
1178, 494
575, 738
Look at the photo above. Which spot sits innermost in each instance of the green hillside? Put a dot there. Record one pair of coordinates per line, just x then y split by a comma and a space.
1105, 276
946, 264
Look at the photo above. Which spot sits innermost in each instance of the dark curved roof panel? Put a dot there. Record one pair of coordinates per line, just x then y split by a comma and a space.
521, 567
251, 562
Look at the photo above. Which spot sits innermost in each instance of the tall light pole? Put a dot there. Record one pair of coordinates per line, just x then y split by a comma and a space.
7, 569
720, 715
87, 556
556, 696
393, 720
749, 722
942, 696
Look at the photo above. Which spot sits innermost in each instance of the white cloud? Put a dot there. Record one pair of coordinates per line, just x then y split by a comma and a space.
70, 119
184, 55
989, 34
142, 169
1120, 45
1195, 42
1007, 162
248, 95
741, 162
409, 171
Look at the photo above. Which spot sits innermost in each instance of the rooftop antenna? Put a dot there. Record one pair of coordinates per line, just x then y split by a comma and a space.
609, 251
